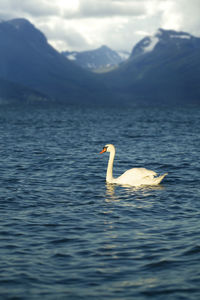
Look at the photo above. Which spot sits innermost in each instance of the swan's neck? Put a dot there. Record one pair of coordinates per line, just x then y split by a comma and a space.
109, 174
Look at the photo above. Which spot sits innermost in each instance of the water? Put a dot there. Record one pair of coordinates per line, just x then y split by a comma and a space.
66, 234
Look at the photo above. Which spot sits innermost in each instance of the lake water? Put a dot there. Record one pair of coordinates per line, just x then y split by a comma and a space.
66, 234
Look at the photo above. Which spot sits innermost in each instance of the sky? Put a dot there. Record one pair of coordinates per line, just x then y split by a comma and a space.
79, 25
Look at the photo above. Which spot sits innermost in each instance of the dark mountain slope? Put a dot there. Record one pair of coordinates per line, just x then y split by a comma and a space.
27, 58
11, 92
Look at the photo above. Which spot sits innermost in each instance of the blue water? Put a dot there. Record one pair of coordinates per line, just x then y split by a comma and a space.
66, 234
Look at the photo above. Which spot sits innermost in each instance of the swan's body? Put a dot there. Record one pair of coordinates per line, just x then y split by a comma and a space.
134, 177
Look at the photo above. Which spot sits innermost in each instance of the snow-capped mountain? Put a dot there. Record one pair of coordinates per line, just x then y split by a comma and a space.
162, 38
163, 67
102, 58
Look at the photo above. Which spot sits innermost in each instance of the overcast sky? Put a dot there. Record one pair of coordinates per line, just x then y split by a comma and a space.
87, 24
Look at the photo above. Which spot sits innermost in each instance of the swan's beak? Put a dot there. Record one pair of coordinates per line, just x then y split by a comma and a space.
104, 150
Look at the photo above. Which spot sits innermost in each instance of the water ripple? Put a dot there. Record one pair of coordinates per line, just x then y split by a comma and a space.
66, 234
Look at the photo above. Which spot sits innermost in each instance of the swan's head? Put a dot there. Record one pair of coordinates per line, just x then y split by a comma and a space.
108, 148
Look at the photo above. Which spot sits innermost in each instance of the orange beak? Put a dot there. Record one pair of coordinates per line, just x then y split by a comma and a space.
104, 150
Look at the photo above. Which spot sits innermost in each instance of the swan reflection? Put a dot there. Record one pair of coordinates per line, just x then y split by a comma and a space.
145, 194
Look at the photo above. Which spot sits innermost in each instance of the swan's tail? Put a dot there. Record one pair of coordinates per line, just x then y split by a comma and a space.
158, 180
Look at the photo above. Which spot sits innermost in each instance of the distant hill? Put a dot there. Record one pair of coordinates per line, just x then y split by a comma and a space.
164, 68
26, 58
101, 59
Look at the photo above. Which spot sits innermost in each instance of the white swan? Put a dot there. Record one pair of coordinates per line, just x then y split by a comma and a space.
134, 177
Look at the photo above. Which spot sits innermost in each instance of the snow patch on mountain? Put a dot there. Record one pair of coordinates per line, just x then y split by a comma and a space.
71, 56
184, 36
150, 44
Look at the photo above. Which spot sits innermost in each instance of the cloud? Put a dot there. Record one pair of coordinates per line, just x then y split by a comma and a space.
33, 8
63, 36
182, 15
87, 24
106, 8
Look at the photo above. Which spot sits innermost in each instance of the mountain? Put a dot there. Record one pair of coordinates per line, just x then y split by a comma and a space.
27, 59
101, 59
164, 68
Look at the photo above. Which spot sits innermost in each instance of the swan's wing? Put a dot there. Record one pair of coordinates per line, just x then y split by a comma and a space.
139, 176
140, 173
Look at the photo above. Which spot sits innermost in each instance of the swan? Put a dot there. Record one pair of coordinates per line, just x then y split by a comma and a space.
133, 177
